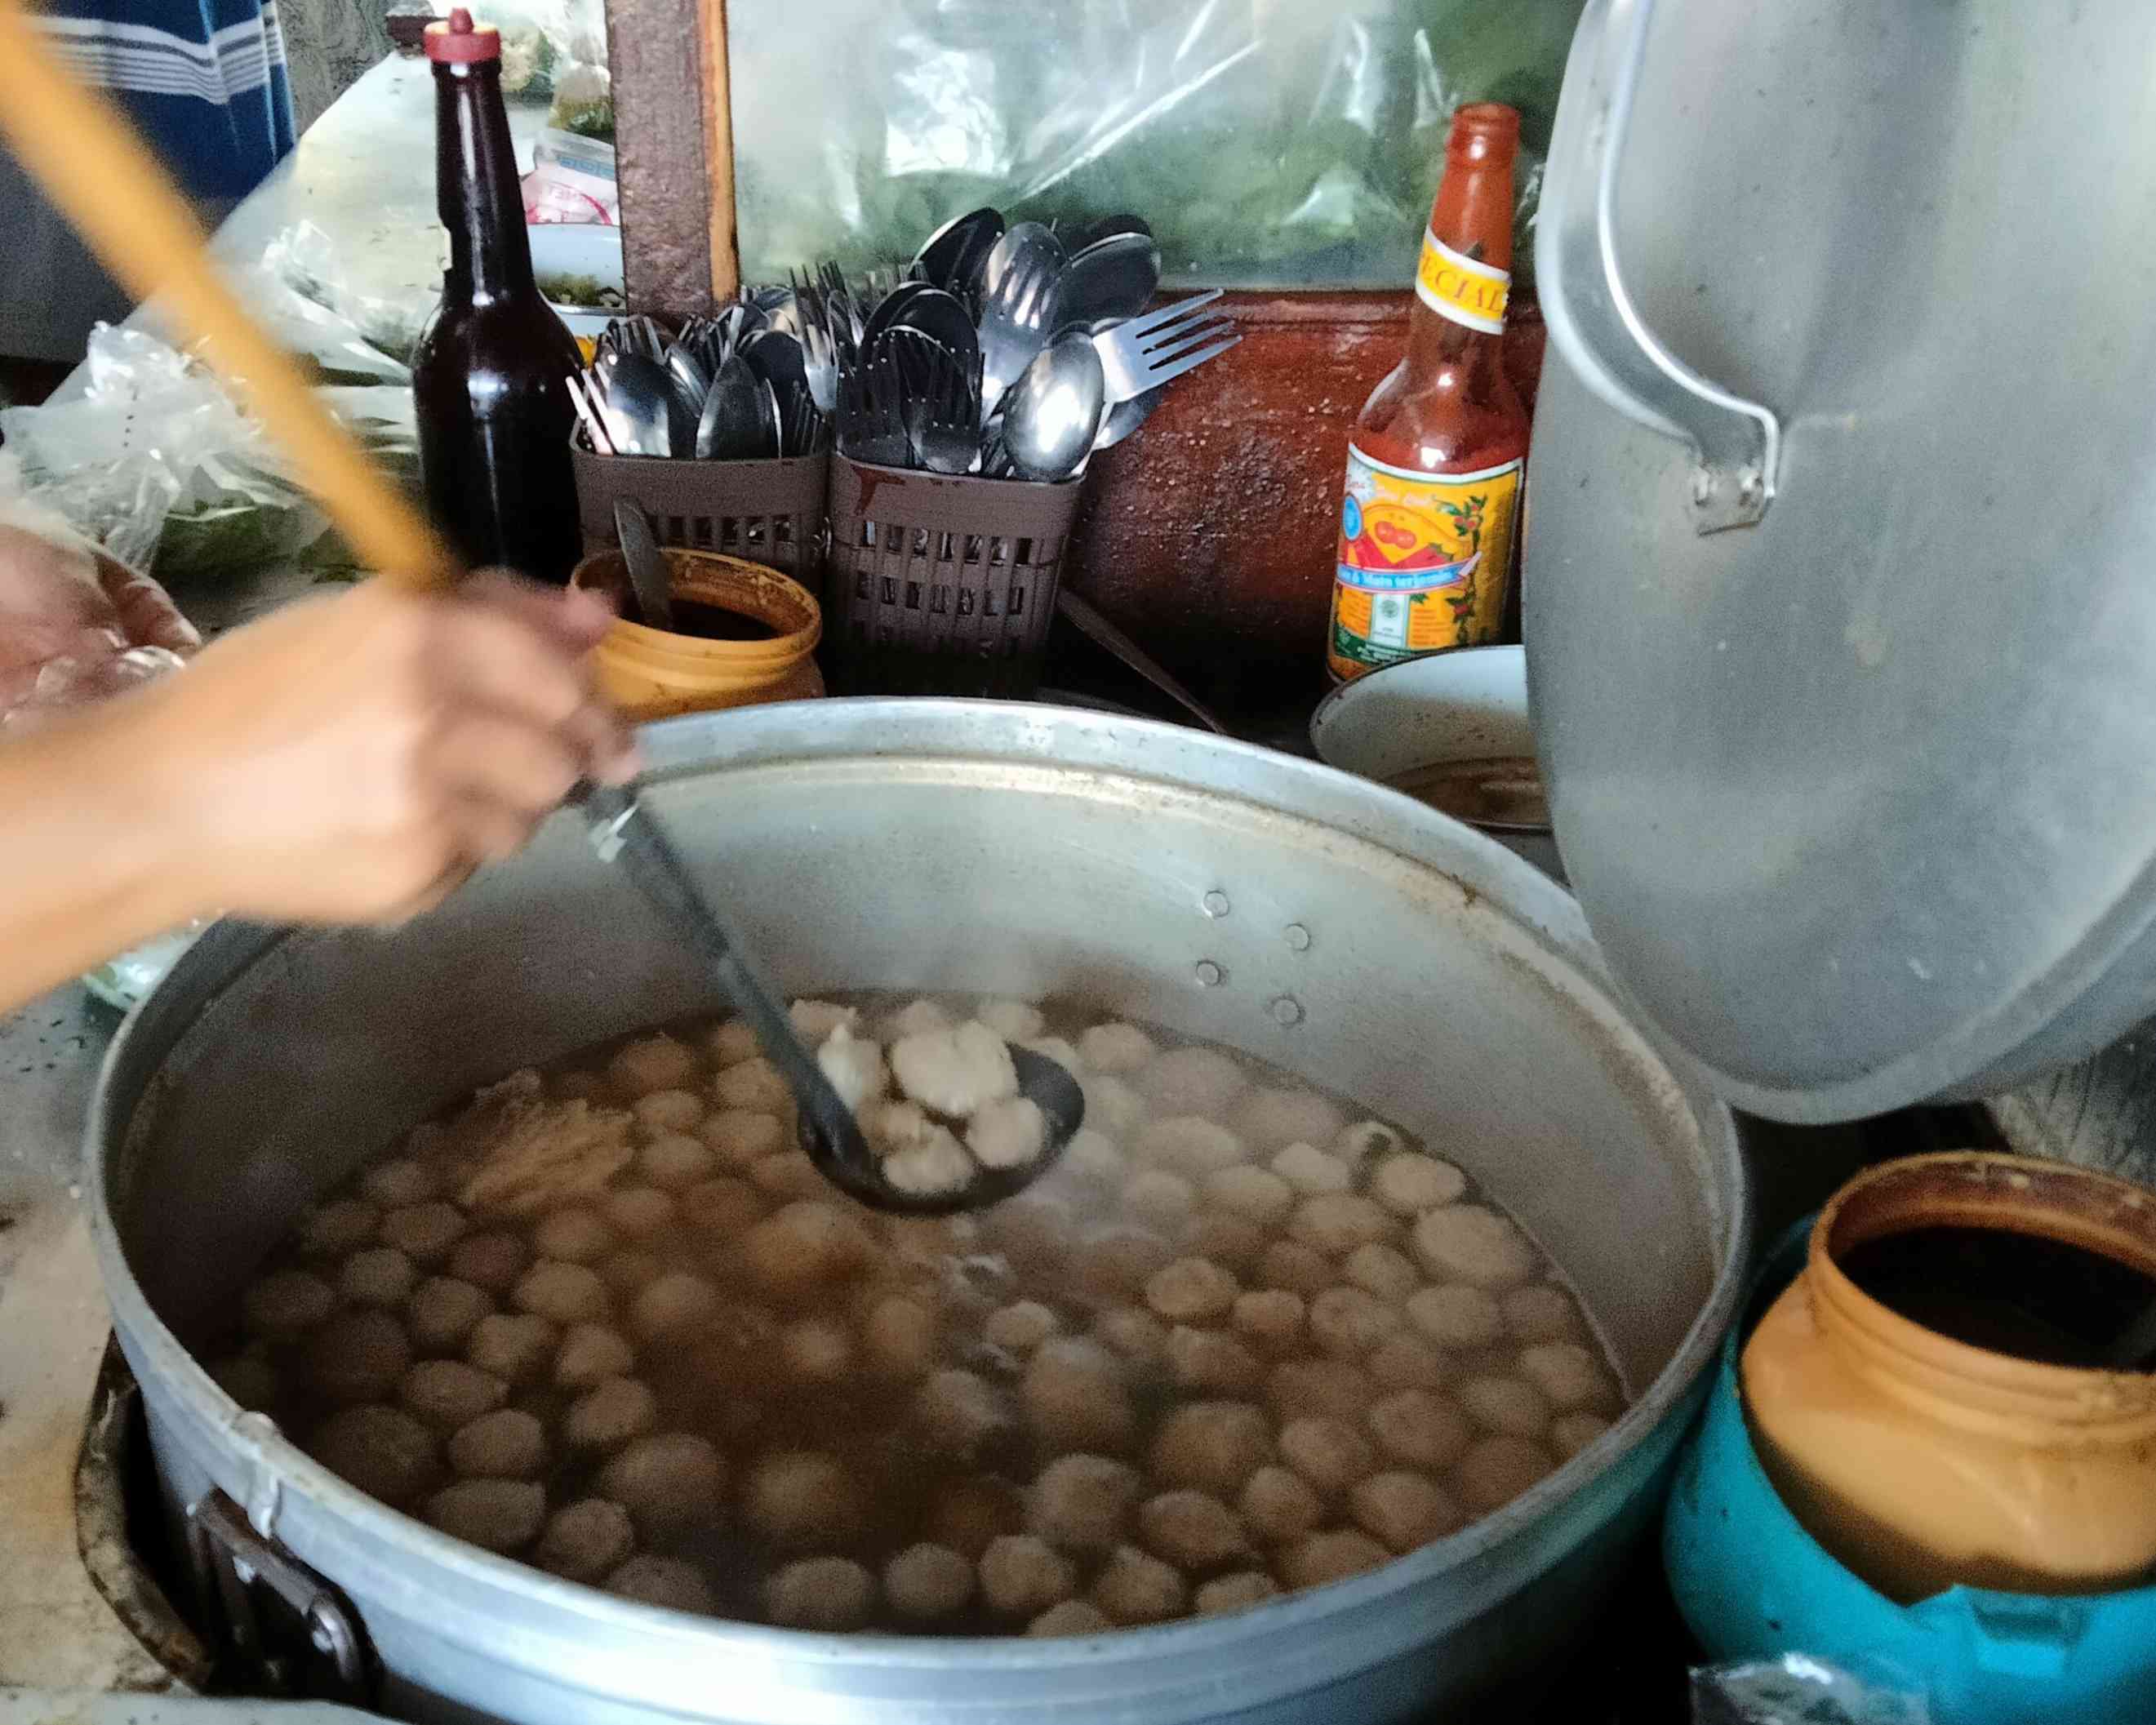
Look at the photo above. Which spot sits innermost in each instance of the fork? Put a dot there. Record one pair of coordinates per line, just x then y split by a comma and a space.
1148, 351
871, 416
944, 414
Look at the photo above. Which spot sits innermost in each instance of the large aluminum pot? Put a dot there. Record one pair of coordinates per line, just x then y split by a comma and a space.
1348, 933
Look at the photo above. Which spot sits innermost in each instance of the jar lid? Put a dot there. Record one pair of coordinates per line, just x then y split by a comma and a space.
457, 41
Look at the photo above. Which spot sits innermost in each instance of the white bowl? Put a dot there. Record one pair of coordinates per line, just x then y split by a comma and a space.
577, 248
1468, 704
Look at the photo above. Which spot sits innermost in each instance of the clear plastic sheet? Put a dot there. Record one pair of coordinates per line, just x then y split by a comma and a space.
1268, 142
1799, 1690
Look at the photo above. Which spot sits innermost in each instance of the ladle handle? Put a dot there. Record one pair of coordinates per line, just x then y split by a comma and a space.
117, 196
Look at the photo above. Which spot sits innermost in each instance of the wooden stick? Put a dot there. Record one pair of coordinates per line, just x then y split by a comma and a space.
119, 197
718, 151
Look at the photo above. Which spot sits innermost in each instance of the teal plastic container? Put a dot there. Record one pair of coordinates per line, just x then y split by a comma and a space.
1753, 1585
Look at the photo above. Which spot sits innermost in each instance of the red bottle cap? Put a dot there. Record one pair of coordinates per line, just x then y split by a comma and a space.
457, 41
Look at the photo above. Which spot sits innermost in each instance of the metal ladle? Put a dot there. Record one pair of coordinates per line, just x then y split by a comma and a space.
120, 199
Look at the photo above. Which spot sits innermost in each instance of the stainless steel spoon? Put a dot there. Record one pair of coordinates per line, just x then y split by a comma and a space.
649, 582
1053, 413
1114, 277
1021, 292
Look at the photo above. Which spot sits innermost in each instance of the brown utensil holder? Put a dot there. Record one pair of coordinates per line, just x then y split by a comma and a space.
941, 585
769, 512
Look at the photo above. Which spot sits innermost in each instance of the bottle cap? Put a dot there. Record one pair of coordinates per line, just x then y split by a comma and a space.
457, 41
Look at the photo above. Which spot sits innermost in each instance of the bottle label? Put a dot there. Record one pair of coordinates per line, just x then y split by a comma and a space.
1423, 562
1454, 285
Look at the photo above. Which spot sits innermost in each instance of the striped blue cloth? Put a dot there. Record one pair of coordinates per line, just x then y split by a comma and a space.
204, 79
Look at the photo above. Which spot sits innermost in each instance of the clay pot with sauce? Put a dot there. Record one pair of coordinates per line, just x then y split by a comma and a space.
1935, 1397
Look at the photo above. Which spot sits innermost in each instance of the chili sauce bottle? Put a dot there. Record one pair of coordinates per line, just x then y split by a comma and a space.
494, 411
1433, 463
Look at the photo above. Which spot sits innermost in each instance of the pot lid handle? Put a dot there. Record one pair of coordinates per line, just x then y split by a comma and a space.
1736, 443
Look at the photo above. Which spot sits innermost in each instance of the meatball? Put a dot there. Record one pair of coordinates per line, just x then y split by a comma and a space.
1279, 1505
1465, 1242
1574, 1432
575, 1236
667, 1113
1234, 1592
1420, 1429
1570, 1377
1297, 1268
1075, 1397
1112, 1106
800, 1500
1192, 1291
898, 1338
380, 1276
1191, 1530
443, 1312
492, 1261
668, 1482
820, 1594
1543, 1311
637, 1211
1317, 1558
591, 1354
917, 1018
966, 1513
1273, 1119
1023, 1575
395, 1183
1082, 1503
817, 1350
502, 1516
1212, 1363
1188, 1145
926, 1582
1116, 1048
1510, 1405
339, 1227
1113, 1263
383, 1452
1192, 1080
1271, 1319
1021, 1326
1496, 1470
1406, 1359
1136, 1587
1310, 1171
954, 1072
426, 1233
666, 1582
741, 1137
676, 1303
933, 1162
1257, 1193
1381, 1271
630, 1270
676, 1161
286, 1303
1071, 1617
789, 1175
507, 1444
731, 1043
1330, 1454
609, 1414
358, 1357
1337, 1222
958, 1415
1008, 1133
1456, 1315
250, 1381
1013, 1020
725, 1209
651, 1064
1211, 1447
1349, 1322
754, 1086
1407, 1184
808, 1243
1298, 1387
448, 1393
514, 1346
1402, 1510
1092, 1163
562, 1293
855, 1067
583, 1540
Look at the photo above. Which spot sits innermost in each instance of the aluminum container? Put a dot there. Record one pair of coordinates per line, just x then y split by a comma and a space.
1309, 918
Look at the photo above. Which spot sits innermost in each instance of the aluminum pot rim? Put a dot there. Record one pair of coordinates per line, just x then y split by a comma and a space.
915, 726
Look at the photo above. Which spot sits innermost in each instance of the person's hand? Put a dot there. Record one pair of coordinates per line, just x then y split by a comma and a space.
70, 619
353, 758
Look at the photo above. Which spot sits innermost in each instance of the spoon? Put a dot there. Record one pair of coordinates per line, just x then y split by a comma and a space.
1053, 411
1125, 417
1021, 284
649, 583
953, 257
1114, 277
733, 426
640, 389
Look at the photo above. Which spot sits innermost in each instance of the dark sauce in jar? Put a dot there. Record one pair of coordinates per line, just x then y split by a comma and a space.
716, 623
2019, 1294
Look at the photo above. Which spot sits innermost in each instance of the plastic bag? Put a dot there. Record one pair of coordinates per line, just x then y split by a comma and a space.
360, 326
1286, 142
1799, 1690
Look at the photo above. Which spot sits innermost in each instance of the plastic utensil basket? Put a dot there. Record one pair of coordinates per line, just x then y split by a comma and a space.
769, 512
941, 585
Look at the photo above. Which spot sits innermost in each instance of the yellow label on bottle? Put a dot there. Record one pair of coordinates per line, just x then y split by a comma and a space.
1456, 286
1423, 562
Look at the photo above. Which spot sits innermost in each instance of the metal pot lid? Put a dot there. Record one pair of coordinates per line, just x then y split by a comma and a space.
1841, 624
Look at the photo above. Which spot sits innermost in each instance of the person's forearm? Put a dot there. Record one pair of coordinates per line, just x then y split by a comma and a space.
89, 861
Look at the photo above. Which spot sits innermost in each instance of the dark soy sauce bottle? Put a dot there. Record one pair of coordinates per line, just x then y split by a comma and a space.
494, 412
